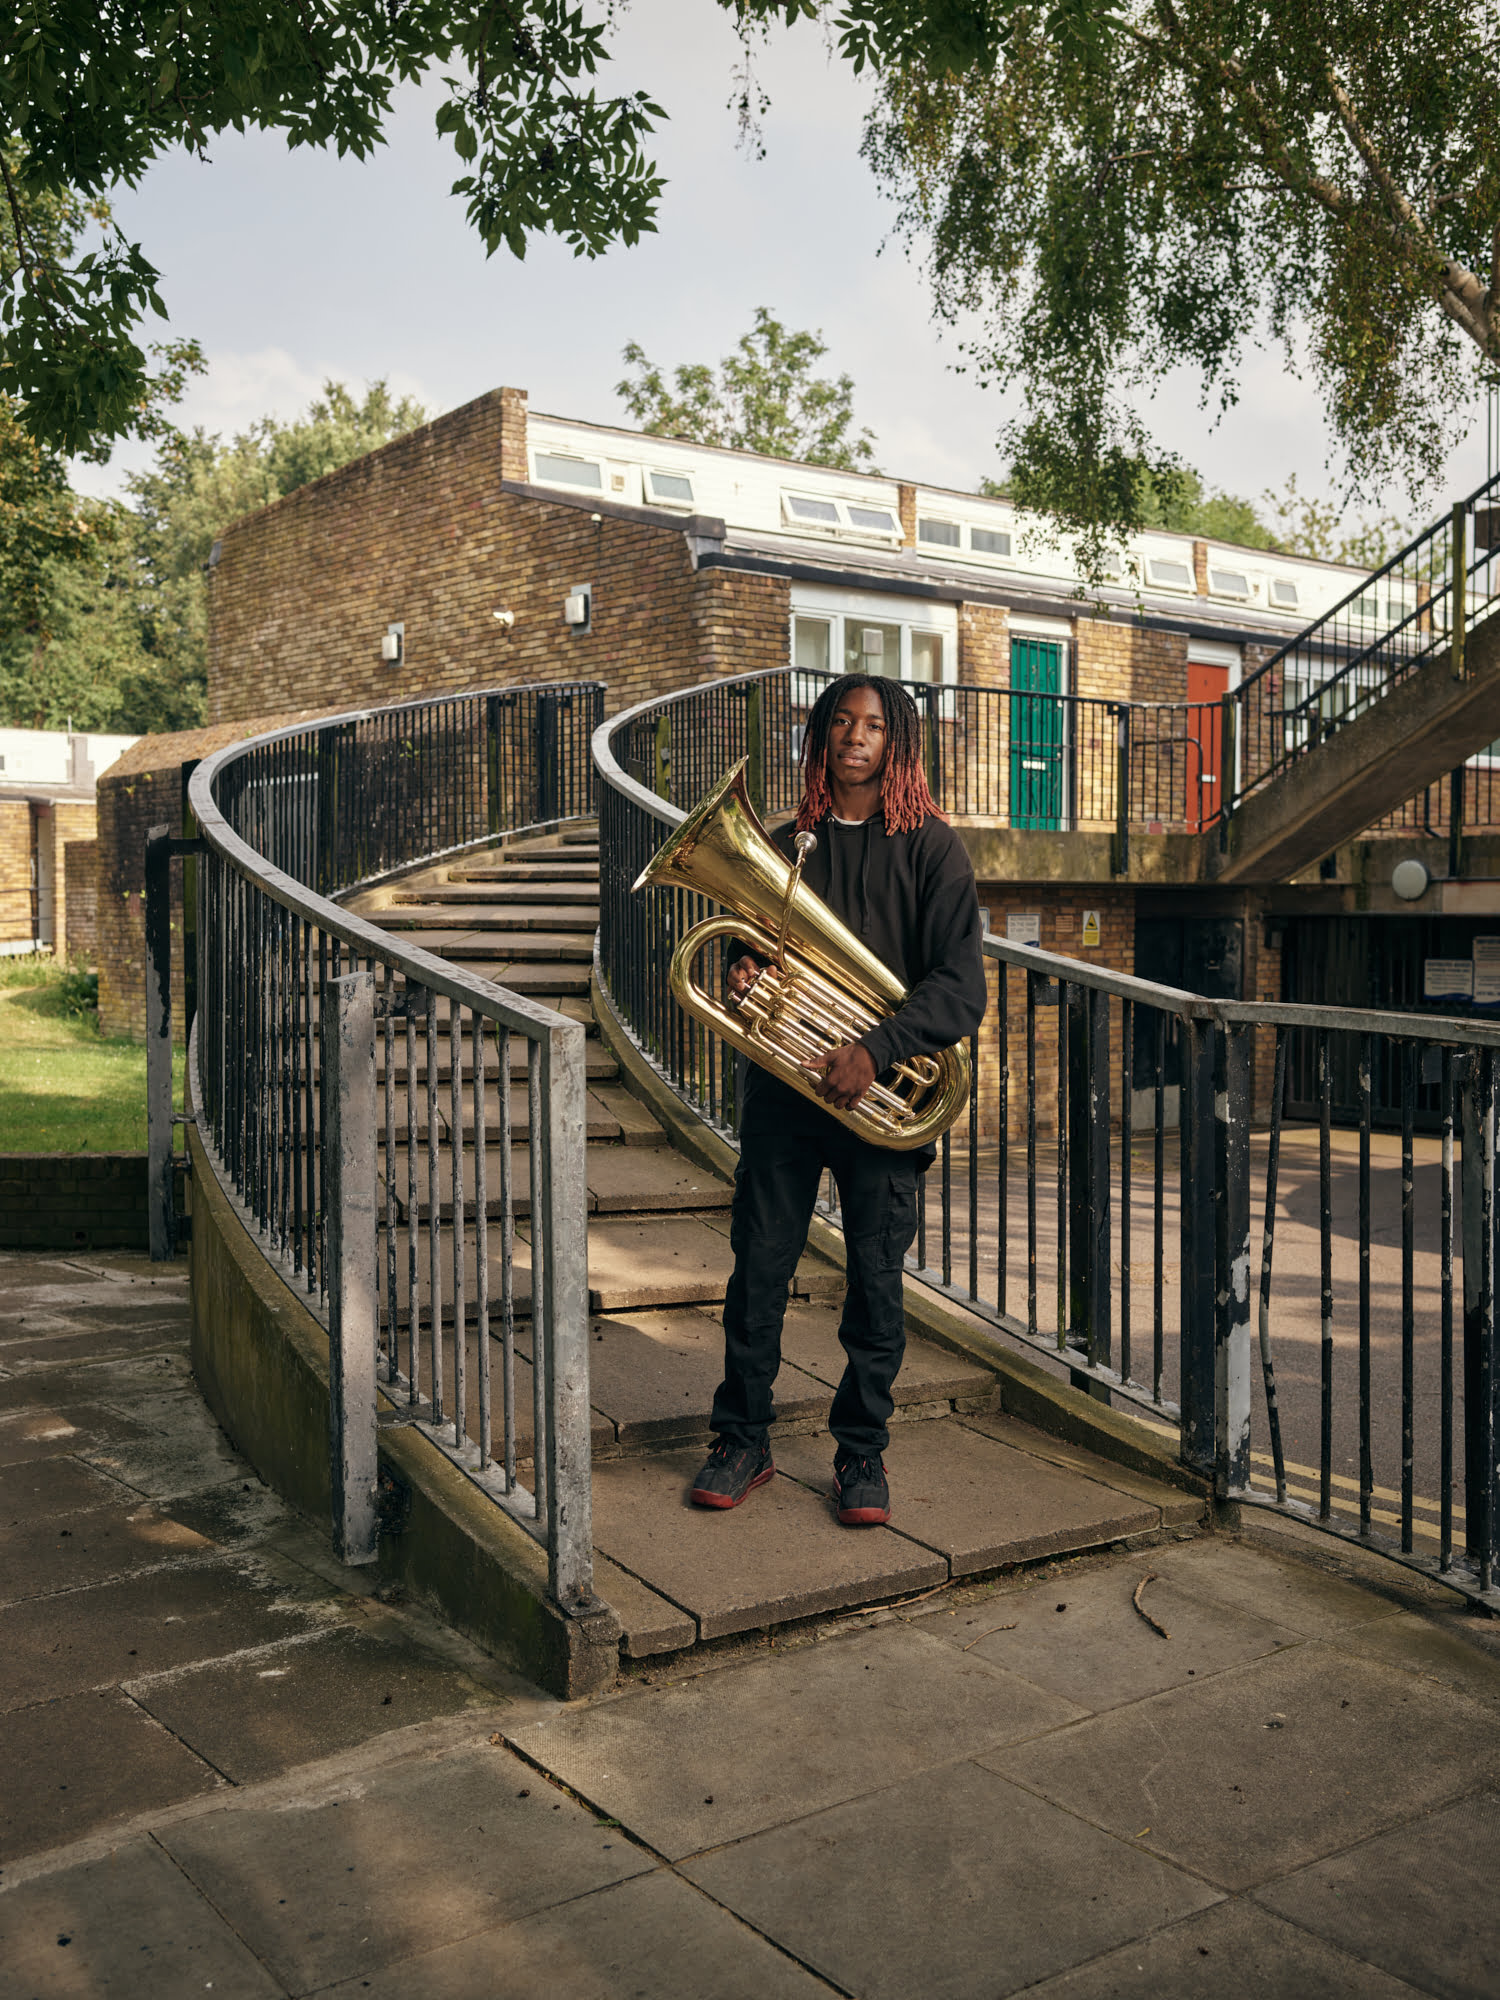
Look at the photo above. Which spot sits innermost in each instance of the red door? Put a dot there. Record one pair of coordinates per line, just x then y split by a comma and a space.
1205, 686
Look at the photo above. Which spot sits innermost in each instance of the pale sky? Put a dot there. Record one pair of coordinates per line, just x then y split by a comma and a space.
292, 267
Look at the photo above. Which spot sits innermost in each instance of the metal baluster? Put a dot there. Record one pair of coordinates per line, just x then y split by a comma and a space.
1002, 1232
1159, 1164
1408, 1285
507, 1268
1268, 1245
392, 1303
413, 1199
456, 1141
1325, 1236
1366, 1437
1063, 1008
1445, 1443
540, 1221
974, 1168
1031, 1313
1127, 1122
481, 1237
434, 1223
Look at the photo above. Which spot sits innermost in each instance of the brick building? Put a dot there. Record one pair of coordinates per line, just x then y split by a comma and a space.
48, 894
496, 545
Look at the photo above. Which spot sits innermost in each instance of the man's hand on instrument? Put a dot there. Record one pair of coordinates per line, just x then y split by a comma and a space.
847, 1074
741, 976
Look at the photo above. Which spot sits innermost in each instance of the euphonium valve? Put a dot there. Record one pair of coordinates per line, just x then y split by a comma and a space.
819, 989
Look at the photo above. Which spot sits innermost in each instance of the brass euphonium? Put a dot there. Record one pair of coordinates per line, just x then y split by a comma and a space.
821, 987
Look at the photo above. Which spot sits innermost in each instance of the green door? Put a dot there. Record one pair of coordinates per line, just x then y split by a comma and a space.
1036, 734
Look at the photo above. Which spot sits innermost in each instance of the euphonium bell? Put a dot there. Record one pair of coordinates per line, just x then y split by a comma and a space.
821, 988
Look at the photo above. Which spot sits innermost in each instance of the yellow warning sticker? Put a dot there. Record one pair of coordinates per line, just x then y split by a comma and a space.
1090, 928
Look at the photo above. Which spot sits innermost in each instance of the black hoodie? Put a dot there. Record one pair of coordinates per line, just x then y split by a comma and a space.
910, 899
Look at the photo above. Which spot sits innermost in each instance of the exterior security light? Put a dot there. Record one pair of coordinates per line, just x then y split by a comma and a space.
506, 618
1409, 879
393, 645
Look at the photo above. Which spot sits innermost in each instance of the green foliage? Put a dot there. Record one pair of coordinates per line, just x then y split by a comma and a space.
1128, 206
93, 97
114, 636
764, 398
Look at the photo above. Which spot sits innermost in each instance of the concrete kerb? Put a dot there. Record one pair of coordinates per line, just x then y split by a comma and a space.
1027, 1391
261, 1360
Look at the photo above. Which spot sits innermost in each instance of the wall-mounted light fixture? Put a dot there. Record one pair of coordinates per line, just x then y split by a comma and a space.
578, 607
393, 645
506, 618
1409, 879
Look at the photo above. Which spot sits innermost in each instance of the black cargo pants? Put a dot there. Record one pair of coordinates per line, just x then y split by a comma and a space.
785, 1145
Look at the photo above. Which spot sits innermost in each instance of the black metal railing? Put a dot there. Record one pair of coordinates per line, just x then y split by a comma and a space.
1095, 1207
476, 1094
1417, 607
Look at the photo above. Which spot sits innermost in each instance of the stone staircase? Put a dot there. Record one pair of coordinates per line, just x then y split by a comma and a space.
973, 1490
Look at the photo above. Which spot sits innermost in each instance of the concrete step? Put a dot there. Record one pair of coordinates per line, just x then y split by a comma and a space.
621, 1180
524, 871
578, 920
548, 980
634, 1262
566, 894
462, 944
552, 850
613, 1117
599, 1065
969, 1495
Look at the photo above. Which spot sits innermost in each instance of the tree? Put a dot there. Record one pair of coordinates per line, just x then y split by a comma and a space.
90, 96
1125, 206
764, 398
115, 633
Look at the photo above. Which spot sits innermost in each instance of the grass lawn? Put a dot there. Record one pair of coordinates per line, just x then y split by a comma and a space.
63, 1088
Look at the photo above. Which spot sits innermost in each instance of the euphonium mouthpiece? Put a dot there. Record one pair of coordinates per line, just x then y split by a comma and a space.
804, 844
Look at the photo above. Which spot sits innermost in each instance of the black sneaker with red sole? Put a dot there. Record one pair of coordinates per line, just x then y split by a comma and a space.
862, 1491
731, 1473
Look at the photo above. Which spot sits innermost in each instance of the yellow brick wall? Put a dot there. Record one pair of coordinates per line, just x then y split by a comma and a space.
15, 871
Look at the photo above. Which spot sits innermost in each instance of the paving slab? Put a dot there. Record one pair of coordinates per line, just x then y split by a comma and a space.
68, 1339
971, 1909
41, 1556
1176, 1506
129, 1926
978, 1503
1266, 1767
1466, 1660
185, 1455
651, 1624
1303, 1595
654, 1935
549, 982
262, 1712
54, 1489
364, 1873
781, 1555
1419, 1901
673, 1260
80, 1639
505, 913
129, 1386
75, 1765
40, 1431
718, 1756
655, 1373
1083, 1638
1233, 1947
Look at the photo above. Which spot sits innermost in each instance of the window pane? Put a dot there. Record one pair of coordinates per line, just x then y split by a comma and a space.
986, 542
927, 656
1228, 583
671, 486
1283, 592
880, 518
1175, 575
945, 534
803, 509
567, 471
872, 649
811, 644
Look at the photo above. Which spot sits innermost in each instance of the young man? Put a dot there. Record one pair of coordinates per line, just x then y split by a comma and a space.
894, 872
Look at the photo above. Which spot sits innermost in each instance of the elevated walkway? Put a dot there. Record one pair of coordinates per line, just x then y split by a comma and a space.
1411, 737
975, 1490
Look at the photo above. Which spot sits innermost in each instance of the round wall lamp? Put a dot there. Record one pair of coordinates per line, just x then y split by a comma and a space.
1409, 879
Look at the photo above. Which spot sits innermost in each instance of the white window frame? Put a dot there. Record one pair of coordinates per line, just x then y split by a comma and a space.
1188, 589
842, 527
1284, 583
1244, 596
940, 521
1006, 555
539, 452
651, 473
842, 608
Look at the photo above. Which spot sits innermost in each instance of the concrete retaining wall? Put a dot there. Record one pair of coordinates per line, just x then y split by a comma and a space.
261, 1359
73, 1201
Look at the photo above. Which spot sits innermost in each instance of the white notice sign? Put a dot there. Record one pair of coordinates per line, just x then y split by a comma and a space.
1447, 978
1487, 972
1023, 927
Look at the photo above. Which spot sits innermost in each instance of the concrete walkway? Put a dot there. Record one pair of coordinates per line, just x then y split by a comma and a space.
226, 1767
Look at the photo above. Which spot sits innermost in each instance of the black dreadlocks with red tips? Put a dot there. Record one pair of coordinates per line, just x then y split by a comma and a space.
904, 797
